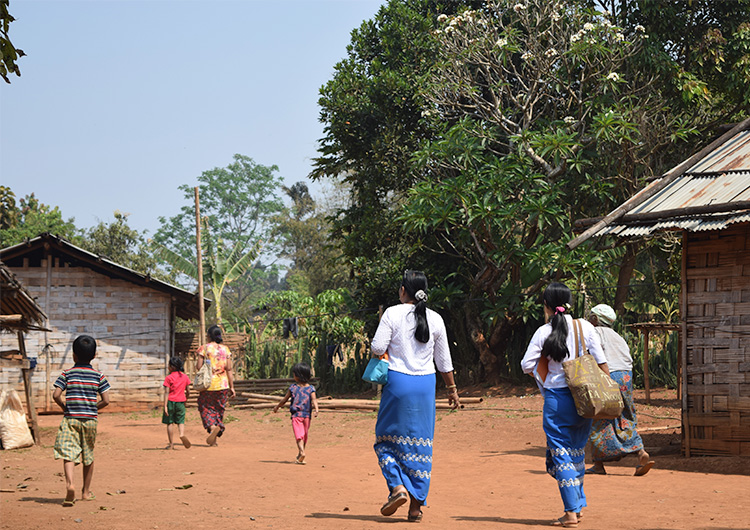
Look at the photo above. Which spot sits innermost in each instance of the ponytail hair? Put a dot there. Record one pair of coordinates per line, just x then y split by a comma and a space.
415, 285
557, 298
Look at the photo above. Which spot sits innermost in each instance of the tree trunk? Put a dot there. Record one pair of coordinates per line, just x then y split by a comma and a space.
627, 266
487, 359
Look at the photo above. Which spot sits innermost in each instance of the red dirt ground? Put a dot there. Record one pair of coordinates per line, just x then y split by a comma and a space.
488, 472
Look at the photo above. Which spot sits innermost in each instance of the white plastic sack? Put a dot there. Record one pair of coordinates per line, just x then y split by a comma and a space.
14, 431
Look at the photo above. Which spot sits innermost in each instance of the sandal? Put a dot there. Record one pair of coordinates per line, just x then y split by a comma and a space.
68, 504
415, 518
393, 503
565, 524
645, 468
211, 440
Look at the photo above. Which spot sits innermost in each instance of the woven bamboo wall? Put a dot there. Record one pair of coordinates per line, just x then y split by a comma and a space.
131, 324
717, 291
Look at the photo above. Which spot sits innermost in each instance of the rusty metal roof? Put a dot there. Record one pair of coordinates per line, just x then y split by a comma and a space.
710, 194
16, 300
734, 155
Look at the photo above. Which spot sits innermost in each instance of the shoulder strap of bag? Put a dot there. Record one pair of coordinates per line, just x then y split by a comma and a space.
579, 338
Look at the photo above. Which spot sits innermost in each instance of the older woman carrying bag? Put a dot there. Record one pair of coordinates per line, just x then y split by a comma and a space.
566, 431
415, 339
613, 439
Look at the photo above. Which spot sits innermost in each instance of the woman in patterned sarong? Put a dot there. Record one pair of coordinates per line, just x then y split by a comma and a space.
566, 431
613, 439
415, 339
213, 401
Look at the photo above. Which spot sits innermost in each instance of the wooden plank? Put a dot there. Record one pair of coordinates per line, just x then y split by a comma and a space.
707, 390
739, 403
703, 420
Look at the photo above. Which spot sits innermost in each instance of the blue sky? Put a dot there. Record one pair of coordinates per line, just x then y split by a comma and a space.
120, 102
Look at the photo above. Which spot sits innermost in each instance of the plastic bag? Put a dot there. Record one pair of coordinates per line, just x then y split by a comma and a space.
14, 431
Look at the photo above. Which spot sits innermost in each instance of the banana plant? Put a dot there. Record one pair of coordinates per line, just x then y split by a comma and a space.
220, 268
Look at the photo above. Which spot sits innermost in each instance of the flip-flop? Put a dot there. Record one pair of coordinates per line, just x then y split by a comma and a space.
393, 503
91, 497
215, 430
561, 522
415, 518
596, 471
68, 504
185, 442
645, 468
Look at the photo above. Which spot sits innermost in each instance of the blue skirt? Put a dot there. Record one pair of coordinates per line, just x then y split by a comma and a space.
613, 439
567, 434
404, 432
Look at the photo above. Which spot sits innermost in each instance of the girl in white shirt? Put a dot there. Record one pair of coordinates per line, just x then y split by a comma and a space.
415, 339
566, 431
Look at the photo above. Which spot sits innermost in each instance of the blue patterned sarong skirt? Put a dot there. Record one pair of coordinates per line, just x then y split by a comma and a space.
567, 434
404, 432
613, 439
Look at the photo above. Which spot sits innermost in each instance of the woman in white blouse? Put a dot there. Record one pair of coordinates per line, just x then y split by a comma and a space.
415, 339
566, 431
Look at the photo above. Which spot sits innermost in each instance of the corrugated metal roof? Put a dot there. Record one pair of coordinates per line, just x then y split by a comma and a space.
720, 177
16, 300
734, 155
692, 190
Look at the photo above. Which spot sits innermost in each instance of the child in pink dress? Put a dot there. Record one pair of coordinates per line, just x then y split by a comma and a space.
174, 401
304, 401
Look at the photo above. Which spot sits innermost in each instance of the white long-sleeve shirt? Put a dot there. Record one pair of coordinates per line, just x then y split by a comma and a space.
395, 334
556, 376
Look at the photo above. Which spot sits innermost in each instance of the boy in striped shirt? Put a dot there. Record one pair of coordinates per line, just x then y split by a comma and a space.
77, 434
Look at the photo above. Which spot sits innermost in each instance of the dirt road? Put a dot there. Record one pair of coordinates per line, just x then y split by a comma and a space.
488, 472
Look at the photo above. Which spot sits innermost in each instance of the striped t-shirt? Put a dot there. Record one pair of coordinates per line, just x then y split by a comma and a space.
82, 385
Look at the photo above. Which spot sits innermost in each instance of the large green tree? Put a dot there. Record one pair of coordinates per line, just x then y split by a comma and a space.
124, 245
238, 204
303, 230
531, 114
30, 219
372, 109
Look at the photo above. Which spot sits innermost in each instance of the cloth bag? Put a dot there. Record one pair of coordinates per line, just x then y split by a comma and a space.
376, 371
14, 431
596, 395
203, 377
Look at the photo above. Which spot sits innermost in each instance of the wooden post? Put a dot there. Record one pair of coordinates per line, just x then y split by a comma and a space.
27, 387
683, 347
47, 364
646, 382
201, 310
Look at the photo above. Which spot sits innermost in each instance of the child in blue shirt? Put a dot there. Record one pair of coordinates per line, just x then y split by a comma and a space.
304, 401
